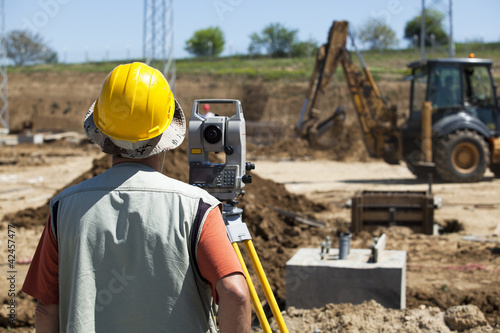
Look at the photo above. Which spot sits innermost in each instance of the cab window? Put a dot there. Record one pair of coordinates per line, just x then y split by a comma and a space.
479, 95
478, 89
419, 89
445, 87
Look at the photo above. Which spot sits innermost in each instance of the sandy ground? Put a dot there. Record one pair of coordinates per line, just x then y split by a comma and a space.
32, 184
452, 283
476, 206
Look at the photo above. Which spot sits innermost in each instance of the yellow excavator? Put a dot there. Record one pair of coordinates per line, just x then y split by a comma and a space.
453, 127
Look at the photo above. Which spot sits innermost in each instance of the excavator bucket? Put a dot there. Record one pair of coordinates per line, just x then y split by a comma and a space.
327, 133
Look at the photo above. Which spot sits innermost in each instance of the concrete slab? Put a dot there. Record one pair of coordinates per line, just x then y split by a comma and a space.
313, 283
35, 138
8, 140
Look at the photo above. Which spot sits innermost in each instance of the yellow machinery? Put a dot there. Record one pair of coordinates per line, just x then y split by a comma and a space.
452, 133
377, 120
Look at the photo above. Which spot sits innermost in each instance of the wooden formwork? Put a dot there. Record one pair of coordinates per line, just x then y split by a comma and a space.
387, 208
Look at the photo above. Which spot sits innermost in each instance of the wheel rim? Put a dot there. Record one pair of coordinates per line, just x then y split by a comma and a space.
465, 157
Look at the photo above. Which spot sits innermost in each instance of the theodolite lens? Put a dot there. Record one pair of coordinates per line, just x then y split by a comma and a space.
212, 134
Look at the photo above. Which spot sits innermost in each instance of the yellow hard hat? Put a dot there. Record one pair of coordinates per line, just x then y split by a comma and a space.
135, 103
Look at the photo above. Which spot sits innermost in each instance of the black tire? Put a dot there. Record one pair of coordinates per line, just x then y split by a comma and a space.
462, 157
495, 168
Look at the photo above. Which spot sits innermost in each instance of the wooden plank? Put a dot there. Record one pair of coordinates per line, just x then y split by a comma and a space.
398, 216
407, 208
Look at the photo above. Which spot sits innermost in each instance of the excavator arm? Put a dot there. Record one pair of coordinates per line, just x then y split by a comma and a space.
376, 119
315, 126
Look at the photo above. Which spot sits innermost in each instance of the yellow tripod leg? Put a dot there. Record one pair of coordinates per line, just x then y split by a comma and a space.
265, 285
253, 293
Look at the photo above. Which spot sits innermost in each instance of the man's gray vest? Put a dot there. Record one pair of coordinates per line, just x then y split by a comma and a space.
127, 242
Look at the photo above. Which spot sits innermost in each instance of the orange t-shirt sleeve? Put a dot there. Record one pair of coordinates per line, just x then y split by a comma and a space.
216, 256
42, 280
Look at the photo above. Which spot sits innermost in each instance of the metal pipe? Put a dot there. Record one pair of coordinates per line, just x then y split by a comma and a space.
344, 245
426, 119
367, 73
302, 113
452, 42
422, 33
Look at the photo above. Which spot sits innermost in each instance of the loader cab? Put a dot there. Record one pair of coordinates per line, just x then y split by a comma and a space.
462, 87
465, 119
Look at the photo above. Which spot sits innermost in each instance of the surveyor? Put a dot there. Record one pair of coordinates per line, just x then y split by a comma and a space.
206, 111
132, 250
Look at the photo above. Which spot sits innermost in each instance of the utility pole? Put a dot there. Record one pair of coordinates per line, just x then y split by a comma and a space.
158, 37
452, 42
422, 33
4, 105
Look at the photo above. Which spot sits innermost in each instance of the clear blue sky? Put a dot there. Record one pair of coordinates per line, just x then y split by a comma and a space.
105, 29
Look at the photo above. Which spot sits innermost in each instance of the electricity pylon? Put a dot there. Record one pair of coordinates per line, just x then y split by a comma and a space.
158, 38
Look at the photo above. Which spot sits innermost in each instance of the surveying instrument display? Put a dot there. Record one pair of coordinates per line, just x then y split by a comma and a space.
209, 135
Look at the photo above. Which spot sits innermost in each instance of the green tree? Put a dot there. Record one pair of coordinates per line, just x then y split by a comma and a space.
275, 38
377, 34
303, 49
206, 42
433, 26
24, 47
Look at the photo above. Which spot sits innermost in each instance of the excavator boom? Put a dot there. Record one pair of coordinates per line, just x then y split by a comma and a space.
315, 126
376, 119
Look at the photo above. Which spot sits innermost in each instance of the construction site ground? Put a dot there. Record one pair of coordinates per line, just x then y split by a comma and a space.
452, 281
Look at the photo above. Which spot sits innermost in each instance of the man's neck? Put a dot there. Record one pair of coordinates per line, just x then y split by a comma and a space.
151, 161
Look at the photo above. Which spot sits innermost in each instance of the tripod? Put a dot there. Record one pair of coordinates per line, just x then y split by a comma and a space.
237, 231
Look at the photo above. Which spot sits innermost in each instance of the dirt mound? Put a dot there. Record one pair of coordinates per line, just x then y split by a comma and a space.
461, 318
369, 316
349, 147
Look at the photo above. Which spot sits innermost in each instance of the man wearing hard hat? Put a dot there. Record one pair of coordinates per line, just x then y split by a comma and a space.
132, 250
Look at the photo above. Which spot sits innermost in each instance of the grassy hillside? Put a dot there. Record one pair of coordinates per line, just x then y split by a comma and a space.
384, 65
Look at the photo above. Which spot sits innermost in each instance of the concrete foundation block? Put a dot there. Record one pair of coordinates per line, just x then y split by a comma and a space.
312, 282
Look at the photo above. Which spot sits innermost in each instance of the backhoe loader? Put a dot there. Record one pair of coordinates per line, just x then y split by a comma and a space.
453, 127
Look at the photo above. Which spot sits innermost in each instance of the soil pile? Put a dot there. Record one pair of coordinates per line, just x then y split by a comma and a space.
442, 272
372, 317
276, 237
348, 146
